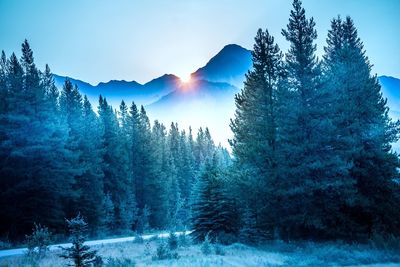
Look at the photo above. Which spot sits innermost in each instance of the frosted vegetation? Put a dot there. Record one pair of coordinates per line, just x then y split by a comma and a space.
272, 253
311, 163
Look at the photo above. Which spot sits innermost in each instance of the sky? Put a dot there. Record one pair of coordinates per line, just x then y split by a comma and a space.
100, 40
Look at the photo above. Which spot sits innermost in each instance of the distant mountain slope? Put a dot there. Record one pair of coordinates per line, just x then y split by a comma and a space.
115, 90
198, 104
230, 66
391, 91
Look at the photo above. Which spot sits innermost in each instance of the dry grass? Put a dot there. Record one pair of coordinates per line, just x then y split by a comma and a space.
271, 254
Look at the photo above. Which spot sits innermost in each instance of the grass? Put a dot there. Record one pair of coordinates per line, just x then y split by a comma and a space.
274, 253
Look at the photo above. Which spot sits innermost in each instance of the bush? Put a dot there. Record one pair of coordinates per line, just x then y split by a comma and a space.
172, 241
138, 239
163, 253
385, 242
98, 262
147, 250
115, 262
39, 241
219, 249
226, 238
206, 246
183, 240
5, 245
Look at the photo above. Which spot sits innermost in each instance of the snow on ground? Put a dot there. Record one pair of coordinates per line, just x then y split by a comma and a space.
270, 254
22, 251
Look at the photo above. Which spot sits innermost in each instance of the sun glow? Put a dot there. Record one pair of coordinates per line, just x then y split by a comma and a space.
185, 78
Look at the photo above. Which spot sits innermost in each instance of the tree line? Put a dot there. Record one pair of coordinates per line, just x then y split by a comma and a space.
58, 158
311, 151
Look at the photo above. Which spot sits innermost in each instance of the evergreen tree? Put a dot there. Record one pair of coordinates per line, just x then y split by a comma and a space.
117, 179
366, 132
213, 214
36, 169
91, 181
309, 167
254, 128
3, 82
163, 174
80, 254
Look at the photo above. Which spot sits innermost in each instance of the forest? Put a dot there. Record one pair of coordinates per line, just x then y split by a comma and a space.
310, 158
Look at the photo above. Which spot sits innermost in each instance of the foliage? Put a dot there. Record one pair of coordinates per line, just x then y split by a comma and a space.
213, 210
163, 252
172, 241
80, 254
38, 241
206, 247
117, 262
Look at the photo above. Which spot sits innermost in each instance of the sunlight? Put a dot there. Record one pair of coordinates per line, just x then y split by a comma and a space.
185, 78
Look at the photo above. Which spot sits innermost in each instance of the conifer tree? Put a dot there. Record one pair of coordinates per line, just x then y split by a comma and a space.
254, 128
117, 179
213, 214
80, 254
37, 168
366, 132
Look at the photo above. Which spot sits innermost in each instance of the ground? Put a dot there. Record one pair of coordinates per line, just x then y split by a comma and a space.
142, 253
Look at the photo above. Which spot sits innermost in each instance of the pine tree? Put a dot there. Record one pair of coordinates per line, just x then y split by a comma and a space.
91, 181
159, 202
254, 128
3, 83
365, 130
117, 179
37, 168
309, 167
80, 254
213, 214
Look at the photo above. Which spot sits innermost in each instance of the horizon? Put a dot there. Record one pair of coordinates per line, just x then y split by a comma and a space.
122, 38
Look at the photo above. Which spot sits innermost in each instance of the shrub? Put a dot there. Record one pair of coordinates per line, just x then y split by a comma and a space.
226, 238
219, 249
172, 241
147, 250
206, 246
183, 240
138, 238
385, 242
115, 262
39, 241
163, 253
5, 245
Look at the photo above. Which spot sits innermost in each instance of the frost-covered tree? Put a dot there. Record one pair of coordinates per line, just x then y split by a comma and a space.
79, 253
254, 128
366, 132
36, 167
213, 211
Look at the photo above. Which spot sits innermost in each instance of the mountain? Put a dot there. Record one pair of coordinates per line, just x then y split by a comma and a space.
115, 91
198, 104
391, 90
230, 66
207, 100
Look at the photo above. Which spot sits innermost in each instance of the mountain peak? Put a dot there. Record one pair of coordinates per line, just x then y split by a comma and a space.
233, 47
230, 65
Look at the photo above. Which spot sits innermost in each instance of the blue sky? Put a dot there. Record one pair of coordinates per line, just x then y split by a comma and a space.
99, 40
